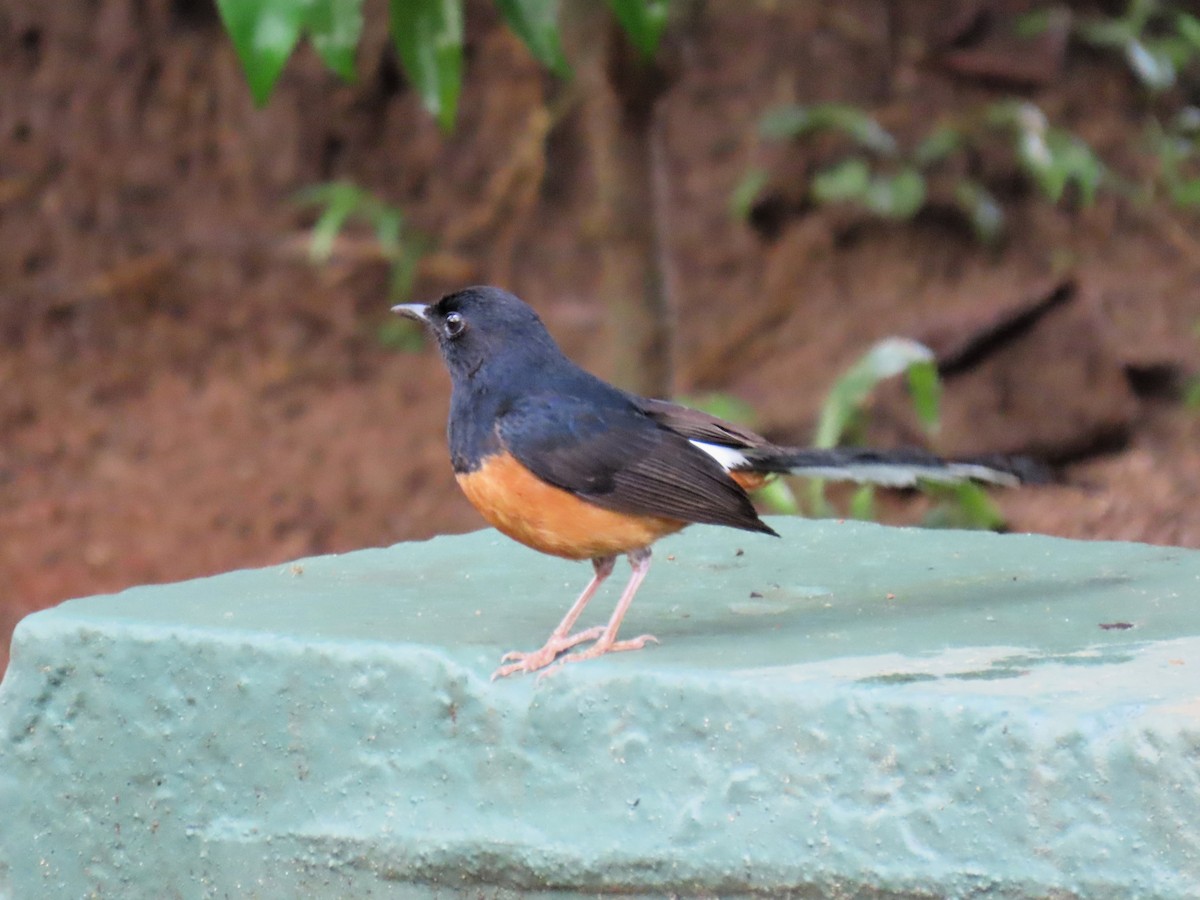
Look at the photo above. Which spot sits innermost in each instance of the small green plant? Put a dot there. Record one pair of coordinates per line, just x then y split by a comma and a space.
843, 419
875, 175
340, 202
843, 415
1053, 157
889, 182
1158, 40
1176, 147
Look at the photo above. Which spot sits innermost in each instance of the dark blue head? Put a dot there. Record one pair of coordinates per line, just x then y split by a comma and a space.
479, 328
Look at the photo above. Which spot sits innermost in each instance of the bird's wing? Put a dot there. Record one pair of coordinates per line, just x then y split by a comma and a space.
699, 426
619, 459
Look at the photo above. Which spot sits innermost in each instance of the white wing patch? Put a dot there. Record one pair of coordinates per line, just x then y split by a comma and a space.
727, 457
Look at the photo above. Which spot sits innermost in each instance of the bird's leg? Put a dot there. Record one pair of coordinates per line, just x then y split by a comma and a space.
607, 642
561, 638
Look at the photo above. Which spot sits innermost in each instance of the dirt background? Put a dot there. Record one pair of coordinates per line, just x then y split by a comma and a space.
182, 393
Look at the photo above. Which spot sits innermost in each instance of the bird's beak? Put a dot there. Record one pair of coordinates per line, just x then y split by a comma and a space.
413, 311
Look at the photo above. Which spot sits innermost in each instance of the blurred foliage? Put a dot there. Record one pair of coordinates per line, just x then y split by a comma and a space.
338, 203
843, 421
1158, 40
536, 23
427, 36
964, 505
265, 32
880, 177
428, 39
1176, 148
1053, 157
842, 416
643, 20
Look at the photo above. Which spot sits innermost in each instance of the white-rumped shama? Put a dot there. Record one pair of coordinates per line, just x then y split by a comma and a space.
569, 465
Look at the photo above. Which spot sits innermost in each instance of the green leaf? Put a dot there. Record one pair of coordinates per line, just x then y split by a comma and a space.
1187, 122
1186, 192
862, 503
844, 181
1054, 157
264, 33
339, 200
389, 225
1191, 395
785, 122
741, 201
428, 35
925, 389
334, 27
1074, 162
777, 497
886, 359
819, 506
1151, 64
643, 20
982, 209
404, 268
536, 23
1188, 27
1034, 23
1106, 32
939, 144
797, 121
963, 506
859, 125
898, 196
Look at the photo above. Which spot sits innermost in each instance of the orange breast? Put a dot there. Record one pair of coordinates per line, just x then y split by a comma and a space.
546, 518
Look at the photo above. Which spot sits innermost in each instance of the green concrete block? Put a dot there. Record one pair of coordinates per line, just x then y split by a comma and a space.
851, 711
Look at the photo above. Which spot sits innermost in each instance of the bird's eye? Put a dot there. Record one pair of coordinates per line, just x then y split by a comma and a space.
455, 324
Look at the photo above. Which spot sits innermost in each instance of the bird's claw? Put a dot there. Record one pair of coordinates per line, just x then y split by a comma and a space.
545, 655
548, 659
596, 650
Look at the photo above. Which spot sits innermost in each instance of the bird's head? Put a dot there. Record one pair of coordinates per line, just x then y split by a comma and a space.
479, 325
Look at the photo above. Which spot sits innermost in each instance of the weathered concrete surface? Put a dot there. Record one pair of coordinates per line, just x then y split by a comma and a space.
850, 711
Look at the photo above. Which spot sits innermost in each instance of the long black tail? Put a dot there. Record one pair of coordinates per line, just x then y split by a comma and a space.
891, 468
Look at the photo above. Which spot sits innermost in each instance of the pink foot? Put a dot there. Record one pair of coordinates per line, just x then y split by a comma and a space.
542, 657
596, 650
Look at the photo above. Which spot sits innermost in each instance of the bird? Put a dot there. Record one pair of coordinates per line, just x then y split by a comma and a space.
559, 460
